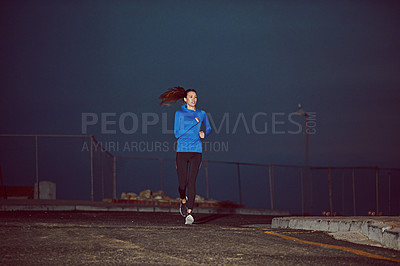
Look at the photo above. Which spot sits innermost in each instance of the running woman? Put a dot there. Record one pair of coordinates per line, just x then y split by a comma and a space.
189, 146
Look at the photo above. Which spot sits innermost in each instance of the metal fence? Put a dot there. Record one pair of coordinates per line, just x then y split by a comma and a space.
355, 190
81, 168
84, 170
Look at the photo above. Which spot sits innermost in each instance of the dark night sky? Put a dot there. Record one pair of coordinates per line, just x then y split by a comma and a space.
340, 59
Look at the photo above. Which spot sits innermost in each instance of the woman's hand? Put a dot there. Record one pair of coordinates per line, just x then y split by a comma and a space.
197, 119
201, 133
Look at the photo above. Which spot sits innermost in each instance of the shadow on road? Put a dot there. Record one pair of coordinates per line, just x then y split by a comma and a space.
209, 218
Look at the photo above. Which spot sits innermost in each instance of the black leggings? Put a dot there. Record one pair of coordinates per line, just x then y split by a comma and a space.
183, 160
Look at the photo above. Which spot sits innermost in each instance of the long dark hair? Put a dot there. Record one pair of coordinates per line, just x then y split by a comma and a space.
174, 94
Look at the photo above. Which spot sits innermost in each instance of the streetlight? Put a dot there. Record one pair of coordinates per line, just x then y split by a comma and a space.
300, 111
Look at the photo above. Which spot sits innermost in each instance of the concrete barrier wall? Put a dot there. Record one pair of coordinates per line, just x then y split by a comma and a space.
374, 230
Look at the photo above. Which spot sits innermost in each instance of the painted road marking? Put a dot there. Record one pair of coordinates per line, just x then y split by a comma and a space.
356, 251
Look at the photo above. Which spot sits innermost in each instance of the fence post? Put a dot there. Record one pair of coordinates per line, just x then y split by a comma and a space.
307, 183
301, 189
91, 169
377, 189
271, 185
343, 192
354, 193
206, 172
240, 186
37, 166
330, 190
161, 175
390, 205
102, 172
114, 176
311, 192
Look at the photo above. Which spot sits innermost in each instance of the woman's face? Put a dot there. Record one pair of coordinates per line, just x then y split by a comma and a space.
191, 99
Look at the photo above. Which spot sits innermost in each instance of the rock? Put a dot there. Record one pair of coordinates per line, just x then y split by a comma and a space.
167, 198
145, 194
159, 193
131, 196
158, 197
199, 198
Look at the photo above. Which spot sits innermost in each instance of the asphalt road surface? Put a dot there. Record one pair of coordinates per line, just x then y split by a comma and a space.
127, 238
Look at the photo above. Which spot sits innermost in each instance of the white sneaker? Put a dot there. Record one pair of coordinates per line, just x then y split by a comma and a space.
189, 219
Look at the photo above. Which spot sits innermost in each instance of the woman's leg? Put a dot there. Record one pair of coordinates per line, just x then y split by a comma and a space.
194, 166
181, 168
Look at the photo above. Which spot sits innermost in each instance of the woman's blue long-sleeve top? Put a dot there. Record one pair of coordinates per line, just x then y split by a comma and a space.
187, 129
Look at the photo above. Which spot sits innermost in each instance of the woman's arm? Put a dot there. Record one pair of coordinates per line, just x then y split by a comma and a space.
207, 125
